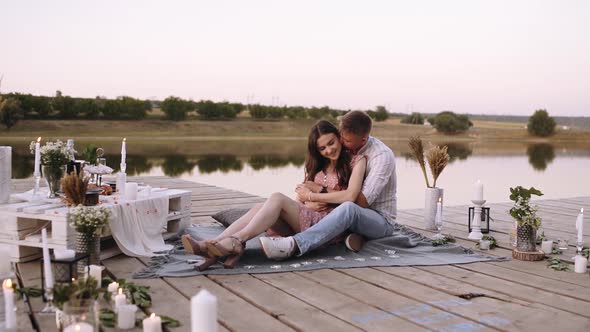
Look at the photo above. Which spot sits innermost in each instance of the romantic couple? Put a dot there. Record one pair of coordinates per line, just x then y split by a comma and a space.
349, 188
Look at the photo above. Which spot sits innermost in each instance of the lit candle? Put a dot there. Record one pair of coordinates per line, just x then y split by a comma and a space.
478, 191
152, 324
124, 151
37, 172
580, 226
580, 264
46, 261
120, 299
112, 288
204, 312
126, 316
79, 327
9, 309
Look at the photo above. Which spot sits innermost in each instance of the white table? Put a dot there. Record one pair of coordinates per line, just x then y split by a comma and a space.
21, 222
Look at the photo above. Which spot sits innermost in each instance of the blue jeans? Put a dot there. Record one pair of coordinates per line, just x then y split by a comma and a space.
347, 216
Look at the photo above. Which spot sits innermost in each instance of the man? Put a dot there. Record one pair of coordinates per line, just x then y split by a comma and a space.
378, 196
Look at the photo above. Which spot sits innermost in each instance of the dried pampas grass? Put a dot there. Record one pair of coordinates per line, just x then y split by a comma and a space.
438, 159
74, 186
417, 149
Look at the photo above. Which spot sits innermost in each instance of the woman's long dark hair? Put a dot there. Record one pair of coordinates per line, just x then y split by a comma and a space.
315, 162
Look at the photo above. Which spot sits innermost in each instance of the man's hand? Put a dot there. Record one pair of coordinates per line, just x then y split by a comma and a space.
317, 206
303, 192
314, 187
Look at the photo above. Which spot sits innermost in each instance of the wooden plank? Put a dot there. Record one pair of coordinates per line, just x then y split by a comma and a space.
534, 293
274, 301
490, 310
337, 304
390, 302
234, 312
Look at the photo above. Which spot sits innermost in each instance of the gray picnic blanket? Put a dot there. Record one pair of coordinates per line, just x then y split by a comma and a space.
404, 248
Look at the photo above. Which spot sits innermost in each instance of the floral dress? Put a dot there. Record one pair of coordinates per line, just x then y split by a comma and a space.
309, 217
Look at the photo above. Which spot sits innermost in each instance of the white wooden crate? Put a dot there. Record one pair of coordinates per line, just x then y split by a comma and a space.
20, 224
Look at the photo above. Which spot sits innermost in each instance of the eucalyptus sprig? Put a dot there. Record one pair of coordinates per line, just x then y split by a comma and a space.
445, 240
522, 211
557, 265
493, 242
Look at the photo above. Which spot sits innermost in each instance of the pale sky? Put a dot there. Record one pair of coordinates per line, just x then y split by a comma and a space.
492, 57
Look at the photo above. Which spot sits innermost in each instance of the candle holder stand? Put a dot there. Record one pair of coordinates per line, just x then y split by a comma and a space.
49, 306
36, 195
476, 233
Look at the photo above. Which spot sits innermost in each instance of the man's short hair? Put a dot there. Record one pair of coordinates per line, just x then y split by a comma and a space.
356, 122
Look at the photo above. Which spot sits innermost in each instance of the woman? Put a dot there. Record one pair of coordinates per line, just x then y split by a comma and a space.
326, 165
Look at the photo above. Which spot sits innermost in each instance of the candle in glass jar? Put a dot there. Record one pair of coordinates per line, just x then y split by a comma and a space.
79, 327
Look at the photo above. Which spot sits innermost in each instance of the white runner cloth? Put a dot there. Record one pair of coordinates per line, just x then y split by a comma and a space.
137, 225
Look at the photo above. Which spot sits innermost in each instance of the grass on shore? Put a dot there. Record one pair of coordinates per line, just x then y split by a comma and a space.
247, 128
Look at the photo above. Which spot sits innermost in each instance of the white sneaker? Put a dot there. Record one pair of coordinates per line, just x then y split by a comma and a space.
278, 248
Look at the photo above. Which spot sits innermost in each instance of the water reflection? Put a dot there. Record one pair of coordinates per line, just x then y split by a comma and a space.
540, 155
457, 151
223, 163
176, 165
258, 162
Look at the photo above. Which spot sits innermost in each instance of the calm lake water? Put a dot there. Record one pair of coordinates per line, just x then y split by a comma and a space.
267, 166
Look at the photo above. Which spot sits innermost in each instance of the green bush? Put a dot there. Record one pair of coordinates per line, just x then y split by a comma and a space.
258, 111
414, 118
450, 123
10, 112
541, 124
381, 114
175, 108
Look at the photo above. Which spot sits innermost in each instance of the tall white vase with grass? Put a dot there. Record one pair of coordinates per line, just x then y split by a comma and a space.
431, 198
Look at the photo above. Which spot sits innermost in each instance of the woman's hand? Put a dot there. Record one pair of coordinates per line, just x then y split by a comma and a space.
314, 187
303, 192
317, 206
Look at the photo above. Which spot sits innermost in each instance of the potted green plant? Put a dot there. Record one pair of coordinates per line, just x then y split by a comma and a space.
437, 158
526, 219
90, 223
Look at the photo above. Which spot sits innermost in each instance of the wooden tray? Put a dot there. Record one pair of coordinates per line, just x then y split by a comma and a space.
528, 255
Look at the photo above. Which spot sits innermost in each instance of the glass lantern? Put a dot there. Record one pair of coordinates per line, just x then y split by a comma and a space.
485, 219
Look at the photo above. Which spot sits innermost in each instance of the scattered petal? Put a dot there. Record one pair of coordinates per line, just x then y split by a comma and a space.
249, 267
390, 252
306, 263
321, 261
339, 258
376, 258
295, 265
360, 259
276, 267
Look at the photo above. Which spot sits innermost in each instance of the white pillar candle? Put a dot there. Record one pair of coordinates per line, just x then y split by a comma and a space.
438, 217
124, 151
95, 271
581, 264
37, 172
121, 181
204, 312
547, 247
5, 173
9, 308
46, 261
484, 244
113, 287
152, 324
120, 299
580, 226
131, 191
478, 191
126, 316
79, 327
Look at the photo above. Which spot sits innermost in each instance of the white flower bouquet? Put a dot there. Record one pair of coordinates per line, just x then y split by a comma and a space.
89, 220
54, 154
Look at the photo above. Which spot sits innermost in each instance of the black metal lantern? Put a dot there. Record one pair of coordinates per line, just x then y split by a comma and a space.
485, 219
64, 270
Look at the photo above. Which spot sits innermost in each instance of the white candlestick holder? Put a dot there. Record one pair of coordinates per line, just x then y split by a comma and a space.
36, 195
476, 233
49, 306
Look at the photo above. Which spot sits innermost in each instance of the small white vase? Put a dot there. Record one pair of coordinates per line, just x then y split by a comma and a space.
432, 195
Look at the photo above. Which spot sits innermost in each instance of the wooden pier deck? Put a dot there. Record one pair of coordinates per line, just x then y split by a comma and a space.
496, 296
